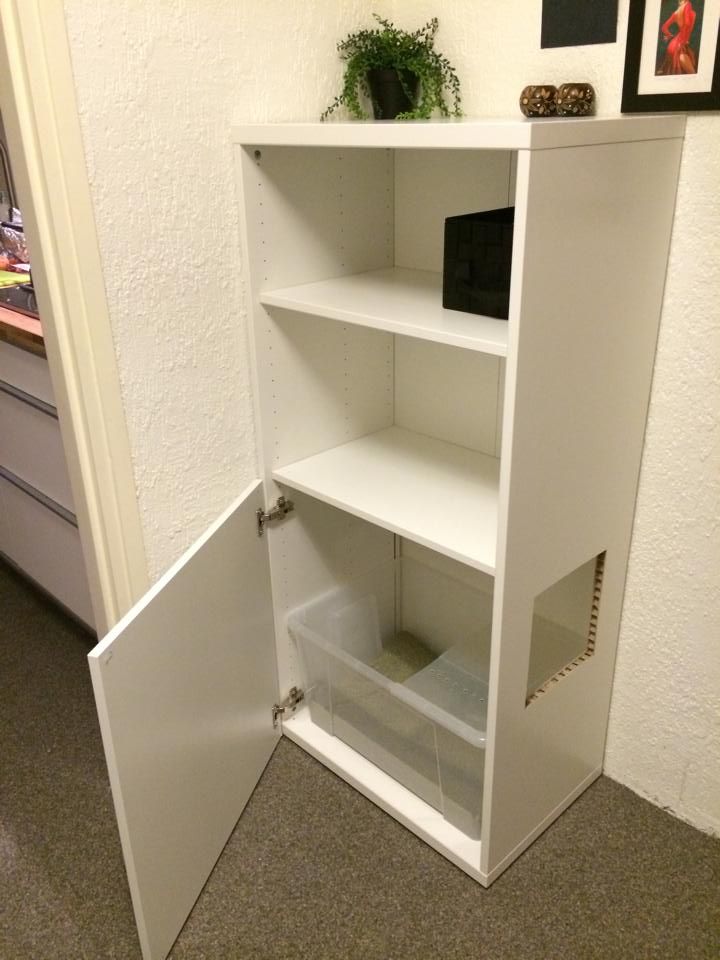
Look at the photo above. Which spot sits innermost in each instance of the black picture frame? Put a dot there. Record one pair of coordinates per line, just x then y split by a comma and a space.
640, 21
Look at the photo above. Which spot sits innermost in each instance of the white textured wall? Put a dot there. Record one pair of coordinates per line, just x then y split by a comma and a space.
664, 735
664, 738
158, 84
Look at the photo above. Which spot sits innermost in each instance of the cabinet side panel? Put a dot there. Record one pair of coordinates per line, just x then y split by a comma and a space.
431, 185
593, 228
309, 214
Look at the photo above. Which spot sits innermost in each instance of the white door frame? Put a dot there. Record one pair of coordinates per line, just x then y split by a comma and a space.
37, 99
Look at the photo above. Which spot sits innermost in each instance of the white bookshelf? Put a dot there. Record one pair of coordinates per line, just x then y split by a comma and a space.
475, 468
343, 237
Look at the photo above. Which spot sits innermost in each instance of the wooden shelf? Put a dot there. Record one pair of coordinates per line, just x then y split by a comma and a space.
435, 493
398, 300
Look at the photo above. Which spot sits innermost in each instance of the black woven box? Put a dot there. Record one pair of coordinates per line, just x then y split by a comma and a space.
476, 263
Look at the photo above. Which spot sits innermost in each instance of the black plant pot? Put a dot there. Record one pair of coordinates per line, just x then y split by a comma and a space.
388, 94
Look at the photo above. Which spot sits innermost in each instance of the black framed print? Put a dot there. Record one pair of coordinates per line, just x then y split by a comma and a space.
672, 59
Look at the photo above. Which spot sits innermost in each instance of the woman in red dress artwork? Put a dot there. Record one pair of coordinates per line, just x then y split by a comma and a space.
679, 56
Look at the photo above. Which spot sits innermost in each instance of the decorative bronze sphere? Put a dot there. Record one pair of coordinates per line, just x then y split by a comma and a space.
575, 100
538, 101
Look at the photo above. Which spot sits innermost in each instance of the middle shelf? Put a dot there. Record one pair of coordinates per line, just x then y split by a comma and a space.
435, 493
397, 300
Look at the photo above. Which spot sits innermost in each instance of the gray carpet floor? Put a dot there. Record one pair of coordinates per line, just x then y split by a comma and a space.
313, 870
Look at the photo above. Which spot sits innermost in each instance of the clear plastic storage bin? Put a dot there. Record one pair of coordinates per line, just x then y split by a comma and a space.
396, 666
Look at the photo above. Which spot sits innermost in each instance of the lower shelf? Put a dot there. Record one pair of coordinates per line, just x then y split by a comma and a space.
438, 494
388, 794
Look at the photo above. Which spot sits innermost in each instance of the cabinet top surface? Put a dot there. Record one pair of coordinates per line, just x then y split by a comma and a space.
467, 134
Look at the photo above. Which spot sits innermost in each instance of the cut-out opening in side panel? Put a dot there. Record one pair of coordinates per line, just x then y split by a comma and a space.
394, 663
564, 626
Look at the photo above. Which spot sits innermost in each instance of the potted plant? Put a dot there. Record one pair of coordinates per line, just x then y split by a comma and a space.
401, 73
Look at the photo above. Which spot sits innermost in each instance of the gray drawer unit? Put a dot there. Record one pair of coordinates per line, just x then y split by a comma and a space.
38, 529
30, 444
45, 545
26, 371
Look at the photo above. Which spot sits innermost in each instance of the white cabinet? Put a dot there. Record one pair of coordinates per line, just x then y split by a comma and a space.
447, 590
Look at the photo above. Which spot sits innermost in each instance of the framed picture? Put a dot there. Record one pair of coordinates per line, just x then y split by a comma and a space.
672, 60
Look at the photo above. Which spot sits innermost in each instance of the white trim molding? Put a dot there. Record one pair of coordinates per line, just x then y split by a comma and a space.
37, 98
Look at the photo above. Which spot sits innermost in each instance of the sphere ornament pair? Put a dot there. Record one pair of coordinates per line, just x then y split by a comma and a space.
567, 100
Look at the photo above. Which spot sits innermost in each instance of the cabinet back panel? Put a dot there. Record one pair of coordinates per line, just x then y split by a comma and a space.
315, 550
448, 393
431, 185
436, 609
322, 383
316, 213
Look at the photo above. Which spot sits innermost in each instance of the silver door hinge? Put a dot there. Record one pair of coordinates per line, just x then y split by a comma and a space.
282, 507
290, 703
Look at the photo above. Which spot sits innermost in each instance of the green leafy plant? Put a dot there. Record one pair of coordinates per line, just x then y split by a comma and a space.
387, 47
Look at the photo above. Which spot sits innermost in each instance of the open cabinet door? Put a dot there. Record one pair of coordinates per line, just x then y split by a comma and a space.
184, 686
